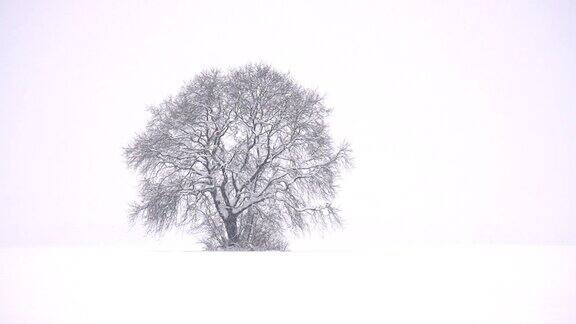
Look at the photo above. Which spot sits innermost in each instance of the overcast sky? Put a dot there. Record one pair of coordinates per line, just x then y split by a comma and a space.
461, 115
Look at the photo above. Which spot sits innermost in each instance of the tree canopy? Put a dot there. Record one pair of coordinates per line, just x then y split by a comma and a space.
239, 157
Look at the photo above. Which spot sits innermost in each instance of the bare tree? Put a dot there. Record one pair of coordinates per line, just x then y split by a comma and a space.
241, 157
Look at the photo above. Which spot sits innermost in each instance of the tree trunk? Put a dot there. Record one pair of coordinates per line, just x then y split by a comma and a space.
231, 230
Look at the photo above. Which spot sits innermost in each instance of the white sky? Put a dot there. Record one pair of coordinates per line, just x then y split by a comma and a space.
461, 116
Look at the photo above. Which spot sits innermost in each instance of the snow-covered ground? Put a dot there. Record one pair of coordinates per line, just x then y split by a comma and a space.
472, 284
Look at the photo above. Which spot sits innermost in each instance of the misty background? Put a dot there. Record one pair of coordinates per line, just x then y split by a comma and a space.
461, 116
